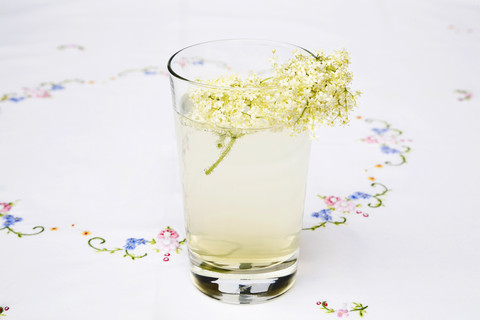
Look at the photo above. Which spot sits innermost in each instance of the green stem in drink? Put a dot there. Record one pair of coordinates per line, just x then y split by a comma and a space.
303, 112
224, 153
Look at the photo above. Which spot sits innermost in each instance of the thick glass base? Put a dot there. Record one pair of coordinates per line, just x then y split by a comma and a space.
244, 286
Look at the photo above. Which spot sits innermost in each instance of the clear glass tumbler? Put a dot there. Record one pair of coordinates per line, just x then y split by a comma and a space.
243, 188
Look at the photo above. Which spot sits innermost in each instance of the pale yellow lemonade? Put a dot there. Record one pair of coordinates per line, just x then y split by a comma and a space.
247, 212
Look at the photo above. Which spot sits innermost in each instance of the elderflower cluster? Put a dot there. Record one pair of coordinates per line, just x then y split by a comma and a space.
305, 92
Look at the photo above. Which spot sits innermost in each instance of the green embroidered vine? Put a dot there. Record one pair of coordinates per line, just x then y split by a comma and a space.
385, 140
345, 310
127, 253
378, 195
8, 220
21, 234
167, 241
324, 224
2, 309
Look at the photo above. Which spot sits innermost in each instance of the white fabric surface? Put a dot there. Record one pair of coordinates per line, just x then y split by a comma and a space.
91, 147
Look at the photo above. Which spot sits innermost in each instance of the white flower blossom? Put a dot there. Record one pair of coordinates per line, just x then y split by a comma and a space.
305, 92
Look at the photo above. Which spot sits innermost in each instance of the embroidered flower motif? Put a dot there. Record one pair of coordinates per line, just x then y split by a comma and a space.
132, 243
3, 309
344, 206
371, 139
387, 150
324, 214
330, 201
17, 99
168, 240
464, 95
167, 233
342, 313
380, 130
5, 207
359, 195
57, 87
10, 220
388, 139
37, 93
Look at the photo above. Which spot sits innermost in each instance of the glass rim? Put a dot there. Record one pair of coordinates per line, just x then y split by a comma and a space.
201, 84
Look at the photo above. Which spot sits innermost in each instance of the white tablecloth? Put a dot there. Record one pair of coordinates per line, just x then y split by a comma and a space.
88, 160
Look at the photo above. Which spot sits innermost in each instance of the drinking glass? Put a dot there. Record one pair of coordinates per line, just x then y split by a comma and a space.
243, 188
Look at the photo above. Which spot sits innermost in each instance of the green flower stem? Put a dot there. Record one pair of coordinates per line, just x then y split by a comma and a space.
102, 241
385, 123
377, 195
132, 255
328, 310
324, 224
222, 155
303, 112
404, 160
358, 307
262, 81
21, 234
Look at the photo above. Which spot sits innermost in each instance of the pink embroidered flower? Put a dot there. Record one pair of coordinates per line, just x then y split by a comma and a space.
37, 93
167, 240
371, 139
344, 206
5, 207
342, 313
387, 139
330, 201
168, 233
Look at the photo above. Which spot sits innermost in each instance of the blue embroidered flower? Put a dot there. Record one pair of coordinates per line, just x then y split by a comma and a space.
380, 130
130, 246
140, 241
199, 62
57, 87
17, 99
359, 195
387, 149
10, 220
147, 72
132, 243
323, 214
